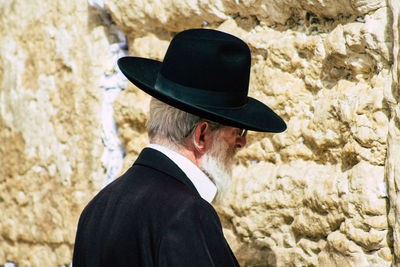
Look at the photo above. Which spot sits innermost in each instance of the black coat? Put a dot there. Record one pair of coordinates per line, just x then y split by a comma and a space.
151, 216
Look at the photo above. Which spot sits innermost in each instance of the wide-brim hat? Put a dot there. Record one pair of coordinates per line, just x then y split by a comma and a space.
206, 73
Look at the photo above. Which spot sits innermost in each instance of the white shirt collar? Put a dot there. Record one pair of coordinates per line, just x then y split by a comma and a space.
200, 180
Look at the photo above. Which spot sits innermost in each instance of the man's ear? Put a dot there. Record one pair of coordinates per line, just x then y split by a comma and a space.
200, 136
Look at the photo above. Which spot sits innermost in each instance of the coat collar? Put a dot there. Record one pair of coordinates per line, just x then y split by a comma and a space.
156, 160
200, 180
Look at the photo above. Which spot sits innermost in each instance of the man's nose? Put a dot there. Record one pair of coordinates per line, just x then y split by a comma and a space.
240, 142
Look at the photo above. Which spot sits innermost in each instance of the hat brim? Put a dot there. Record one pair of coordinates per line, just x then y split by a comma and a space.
254, 115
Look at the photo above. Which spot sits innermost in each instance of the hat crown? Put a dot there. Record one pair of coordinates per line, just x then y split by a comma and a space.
209, 60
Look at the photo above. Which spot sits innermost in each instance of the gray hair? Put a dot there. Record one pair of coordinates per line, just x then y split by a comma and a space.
171, 123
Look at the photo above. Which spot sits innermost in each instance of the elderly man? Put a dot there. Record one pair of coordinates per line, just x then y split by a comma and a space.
158, 213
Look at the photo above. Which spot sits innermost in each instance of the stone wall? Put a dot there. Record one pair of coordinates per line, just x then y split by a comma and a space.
315, 195
324, 193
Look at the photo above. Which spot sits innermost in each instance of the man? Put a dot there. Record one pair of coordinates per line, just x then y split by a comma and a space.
158, 213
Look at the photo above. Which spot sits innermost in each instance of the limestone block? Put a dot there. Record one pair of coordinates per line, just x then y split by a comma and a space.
51, 59
342, 252
131, 109
371, 240
173, 16
318, 125
149, 46
339, 246
314, 195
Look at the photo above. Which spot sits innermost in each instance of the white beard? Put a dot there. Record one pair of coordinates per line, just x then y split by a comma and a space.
217, 164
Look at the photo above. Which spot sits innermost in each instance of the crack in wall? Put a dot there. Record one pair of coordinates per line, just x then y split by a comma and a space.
112, 82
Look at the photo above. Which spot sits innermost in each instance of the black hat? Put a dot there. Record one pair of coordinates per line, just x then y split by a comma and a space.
205, 72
